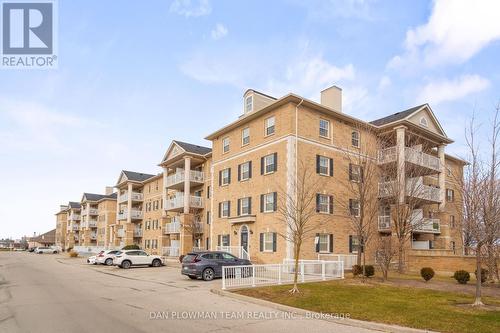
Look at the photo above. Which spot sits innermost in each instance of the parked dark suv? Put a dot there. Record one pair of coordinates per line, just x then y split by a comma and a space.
208, 264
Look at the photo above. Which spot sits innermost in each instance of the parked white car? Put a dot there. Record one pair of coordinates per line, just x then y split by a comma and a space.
128, 258
43, 249
106, 257
92, 260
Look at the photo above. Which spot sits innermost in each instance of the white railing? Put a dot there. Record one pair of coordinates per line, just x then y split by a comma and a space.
275, 274
348, 260
178, 202
420, 158
138, 233
136, 196
120, 232
92, 224
427, 225
172, 228
171, 251
384, 223
179, 177
387, 155
421, 245
237, 251
75, 227
414, 188
135, 214
93, 236
75, 217
198, 249
93, 211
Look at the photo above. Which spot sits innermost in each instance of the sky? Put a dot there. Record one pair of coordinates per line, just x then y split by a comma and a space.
134, 75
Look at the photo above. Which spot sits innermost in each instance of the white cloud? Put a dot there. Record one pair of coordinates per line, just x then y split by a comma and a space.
455, 32
384, 82
450, 90
191, 8
220, 31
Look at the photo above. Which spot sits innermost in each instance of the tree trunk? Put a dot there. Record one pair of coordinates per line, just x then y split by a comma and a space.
477, 301
401, 268
295, 288
364, 269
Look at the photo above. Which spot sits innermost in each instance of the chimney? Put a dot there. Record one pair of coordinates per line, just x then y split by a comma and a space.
108, 190
332, 98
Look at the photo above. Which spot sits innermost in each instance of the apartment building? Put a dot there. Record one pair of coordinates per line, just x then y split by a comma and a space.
187, 197
154, 216
255, 160
74, 217
129, 208
61, 226
106, 219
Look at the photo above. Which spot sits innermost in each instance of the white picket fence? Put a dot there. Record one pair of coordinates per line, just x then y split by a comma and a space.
276, 274
349, 260
237, 251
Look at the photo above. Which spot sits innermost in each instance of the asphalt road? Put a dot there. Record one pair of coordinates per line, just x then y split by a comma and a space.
52, 293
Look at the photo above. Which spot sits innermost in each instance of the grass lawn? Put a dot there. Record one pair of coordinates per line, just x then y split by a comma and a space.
411, 307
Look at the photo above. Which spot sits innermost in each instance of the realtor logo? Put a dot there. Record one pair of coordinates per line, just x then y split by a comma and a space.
28, 34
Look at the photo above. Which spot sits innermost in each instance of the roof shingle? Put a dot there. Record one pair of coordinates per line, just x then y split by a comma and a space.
195, 149
395, 117
137, 176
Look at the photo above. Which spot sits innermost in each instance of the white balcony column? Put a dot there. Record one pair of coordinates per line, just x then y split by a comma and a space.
187, 186
129, 203
400, 146
442, 178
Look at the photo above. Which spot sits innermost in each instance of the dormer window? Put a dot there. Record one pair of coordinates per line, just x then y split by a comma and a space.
248, 104
423, 122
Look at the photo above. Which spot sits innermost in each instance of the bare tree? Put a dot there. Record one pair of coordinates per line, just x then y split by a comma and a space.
362, 204
194, 225
386, 251
297, 209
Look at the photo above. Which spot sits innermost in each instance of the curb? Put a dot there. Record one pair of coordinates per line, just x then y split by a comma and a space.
347, 322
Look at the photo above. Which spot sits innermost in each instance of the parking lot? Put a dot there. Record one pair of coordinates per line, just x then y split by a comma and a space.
53, 293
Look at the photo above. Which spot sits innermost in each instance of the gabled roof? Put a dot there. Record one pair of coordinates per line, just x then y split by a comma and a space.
137, 176
46, 238
75, 205
195, 149
396, 116
92, 196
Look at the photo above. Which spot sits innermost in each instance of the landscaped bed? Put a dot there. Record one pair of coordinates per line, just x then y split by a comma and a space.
411, 307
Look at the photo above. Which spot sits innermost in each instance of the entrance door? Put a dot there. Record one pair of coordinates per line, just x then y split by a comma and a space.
244, 238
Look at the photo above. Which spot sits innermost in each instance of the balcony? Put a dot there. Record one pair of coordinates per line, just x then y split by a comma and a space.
414, 188
412, 156
421, 245
120, 233
76, 238
90, 211
384, 223
176, 180
75, 217
135, 215
136, 197
421, 224
75, 227
93, 224
171, 251
93, 236
177, 203
138, 233
172, 228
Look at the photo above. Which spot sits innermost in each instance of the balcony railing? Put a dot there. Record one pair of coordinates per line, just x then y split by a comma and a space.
384, 223
171, 251
138, 233
135, 215
92, 224
427, 225
75, 227
93, 236
136, 196
90, 211
178, 202
75, 217
179, 177
120, 232
414, 188
412, 155
422, 245
172, 228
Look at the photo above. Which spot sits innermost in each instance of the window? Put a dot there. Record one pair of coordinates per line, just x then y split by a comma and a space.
354, 207
225, 240
225, 177
225, 145
270, 126
324, 165
423, 122
245, 206
208, 192
268, 164
248, 104
208, 217
245, 136
224, 209
245, 171
324, 203
353, 244
452, 221
268, 202
355, 173
355, 139
324, 242
453, 246
450, 195
324, 128
268, 242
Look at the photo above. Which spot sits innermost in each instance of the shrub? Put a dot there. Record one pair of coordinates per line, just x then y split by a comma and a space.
484, 274
73, 254
369, 270
462, 276
181, 257
131, 247
357, 270
427, 273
